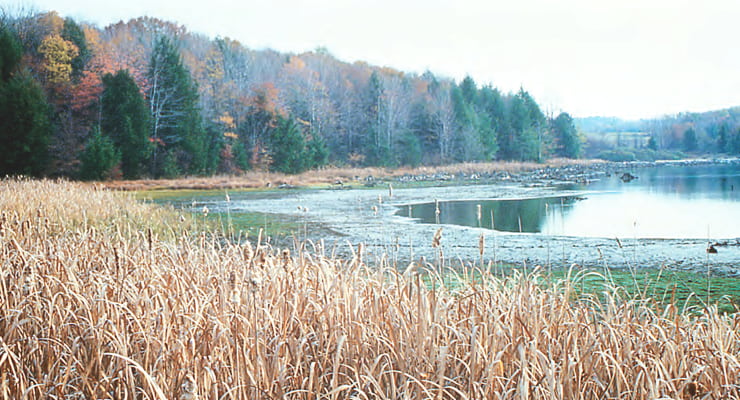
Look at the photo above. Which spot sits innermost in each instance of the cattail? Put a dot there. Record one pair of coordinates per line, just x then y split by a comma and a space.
232, 280
437, 239
481, 244
478, 213
189, 388
390, 191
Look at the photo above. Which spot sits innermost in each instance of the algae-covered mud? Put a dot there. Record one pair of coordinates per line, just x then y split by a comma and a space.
529, 221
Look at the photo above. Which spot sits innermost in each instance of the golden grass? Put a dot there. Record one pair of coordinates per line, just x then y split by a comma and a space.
87, 312
328, 176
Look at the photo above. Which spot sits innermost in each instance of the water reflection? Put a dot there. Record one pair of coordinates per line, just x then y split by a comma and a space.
527, 215
665, 202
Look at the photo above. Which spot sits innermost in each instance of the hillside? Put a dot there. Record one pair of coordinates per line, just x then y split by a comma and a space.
148, 98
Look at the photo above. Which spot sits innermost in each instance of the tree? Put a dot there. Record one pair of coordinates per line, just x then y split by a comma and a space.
288, 148
317, 154
690, 142
74, 34
733, 143
58, 55
125, 120
443, 116
10, 53
378, 149
25, 128
652, 143
24, 114
177, 127
568, 142
722, 138
99, 158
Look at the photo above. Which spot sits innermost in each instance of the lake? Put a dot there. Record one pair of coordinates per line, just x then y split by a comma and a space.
669, 202
663, 218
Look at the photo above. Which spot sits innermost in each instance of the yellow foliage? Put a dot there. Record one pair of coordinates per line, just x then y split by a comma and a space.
58, 54
295, 64
214, 65
227, 120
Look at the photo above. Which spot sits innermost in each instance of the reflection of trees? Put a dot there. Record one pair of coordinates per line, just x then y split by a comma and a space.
506, 213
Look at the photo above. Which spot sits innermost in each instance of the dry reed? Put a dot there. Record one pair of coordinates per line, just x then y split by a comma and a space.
88, 312
332, 175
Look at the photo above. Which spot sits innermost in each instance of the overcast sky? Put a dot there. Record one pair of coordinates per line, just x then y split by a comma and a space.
625, 58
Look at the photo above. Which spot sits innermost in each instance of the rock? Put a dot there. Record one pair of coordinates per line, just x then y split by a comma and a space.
627, 177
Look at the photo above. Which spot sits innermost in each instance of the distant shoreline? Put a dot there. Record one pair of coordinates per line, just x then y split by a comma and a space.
564, 170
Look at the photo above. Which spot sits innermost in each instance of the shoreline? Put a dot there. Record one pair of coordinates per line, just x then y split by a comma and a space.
560, 170
343, 218
366, 213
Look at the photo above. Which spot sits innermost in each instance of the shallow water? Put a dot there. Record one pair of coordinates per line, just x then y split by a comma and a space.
341, 219
669, 202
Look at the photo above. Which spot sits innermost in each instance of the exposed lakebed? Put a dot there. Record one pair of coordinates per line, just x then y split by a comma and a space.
615, 235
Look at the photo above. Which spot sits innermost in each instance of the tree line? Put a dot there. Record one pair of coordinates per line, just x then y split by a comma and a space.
148, 98
672, 136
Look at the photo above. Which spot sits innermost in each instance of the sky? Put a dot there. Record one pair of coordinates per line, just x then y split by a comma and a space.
625, 58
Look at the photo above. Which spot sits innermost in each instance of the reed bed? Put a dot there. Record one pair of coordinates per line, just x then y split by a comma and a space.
332, 175
87, 311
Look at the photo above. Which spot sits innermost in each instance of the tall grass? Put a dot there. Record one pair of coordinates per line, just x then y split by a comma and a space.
87, 311
331, 175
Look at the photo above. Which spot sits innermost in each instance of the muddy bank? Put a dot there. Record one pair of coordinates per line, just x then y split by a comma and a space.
345, 218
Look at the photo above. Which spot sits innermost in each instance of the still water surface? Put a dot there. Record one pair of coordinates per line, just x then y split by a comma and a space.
700, 202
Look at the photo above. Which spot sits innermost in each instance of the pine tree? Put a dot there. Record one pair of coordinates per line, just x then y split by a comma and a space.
25, 125
690, 142
317, 154
722, 138
99, 158
10, 53
288, 148
568, 143
125, 120
177, 126
73, 33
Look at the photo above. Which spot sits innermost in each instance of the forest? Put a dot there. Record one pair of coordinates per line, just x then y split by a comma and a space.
149, 99
681, 135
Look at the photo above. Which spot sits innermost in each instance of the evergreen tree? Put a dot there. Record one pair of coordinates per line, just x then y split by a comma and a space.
733, 143
73, 33
376, 145
317, 154
183, 144
99, 158
652, 143
690, 142
722, 138
10, 53
533, 139
25, 126
125, 120
288, 147
469, 90
565, 133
